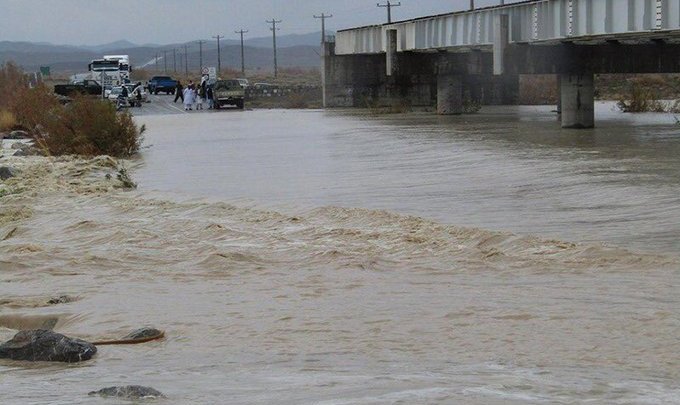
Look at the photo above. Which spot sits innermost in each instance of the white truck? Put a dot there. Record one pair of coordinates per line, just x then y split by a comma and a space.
124, 66
106, 72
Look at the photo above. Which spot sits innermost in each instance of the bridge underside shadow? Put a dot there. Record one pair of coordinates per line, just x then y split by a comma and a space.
451, 80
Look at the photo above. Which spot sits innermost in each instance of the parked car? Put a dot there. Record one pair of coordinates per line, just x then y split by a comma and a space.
228, 92
116, 94
89, 87
164, 84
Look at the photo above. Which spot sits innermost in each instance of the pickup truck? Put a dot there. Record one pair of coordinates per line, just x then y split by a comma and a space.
228, 92
89, 87
165, 84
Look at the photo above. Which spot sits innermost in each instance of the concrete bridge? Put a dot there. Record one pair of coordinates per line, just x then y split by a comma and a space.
478, 55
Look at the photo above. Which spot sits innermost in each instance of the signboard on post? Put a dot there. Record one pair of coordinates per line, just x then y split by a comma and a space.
211, 72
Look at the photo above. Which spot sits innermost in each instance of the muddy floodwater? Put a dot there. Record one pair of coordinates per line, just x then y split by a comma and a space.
310, 257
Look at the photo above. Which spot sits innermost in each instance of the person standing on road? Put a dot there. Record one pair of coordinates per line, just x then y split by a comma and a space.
200, 98
188, 98
209, 96
179, 92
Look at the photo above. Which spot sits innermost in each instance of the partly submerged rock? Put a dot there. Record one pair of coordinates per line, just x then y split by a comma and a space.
143, 333
25, 149
45, 345
18, 135
7, 172
63, 299
129, 392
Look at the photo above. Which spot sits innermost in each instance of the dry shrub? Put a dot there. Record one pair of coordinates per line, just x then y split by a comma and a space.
640, 98
141, 75
91, 127
32, 107
86, 126
12, 80
297, 100
7, 120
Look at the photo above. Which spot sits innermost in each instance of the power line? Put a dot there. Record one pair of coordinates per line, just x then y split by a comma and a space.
243, 53
219, 55
186, 60
389, 9
200, 54
323, 25
273, 22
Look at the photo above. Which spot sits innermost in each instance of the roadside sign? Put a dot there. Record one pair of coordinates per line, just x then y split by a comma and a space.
107, 81
212, 73
205, 71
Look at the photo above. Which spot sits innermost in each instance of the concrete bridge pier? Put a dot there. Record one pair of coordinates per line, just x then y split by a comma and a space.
577, 96
449, 94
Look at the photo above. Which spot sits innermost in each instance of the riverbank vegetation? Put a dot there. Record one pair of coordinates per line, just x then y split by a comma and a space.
86, 126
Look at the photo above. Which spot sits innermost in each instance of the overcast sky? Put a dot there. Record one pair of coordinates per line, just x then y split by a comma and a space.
94, 22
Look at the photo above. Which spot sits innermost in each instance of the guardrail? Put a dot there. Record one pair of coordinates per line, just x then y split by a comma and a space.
530, 21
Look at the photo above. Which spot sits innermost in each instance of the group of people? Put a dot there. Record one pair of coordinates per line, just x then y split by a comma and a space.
193, 96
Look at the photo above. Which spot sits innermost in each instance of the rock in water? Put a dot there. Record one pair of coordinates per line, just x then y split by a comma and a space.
143, 333
18, 135
129, 392
24, 149
64, 299
6, 173
45, 345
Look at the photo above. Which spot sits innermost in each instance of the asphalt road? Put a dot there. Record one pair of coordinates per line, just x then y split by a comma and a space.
158, 105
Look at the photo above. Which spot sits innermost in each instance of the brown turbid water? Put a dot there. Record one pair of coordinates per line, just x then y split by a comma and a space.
310, 257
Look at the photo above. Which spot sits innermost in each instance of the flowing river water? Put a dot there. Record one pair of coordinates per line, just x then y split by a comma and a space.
310, 257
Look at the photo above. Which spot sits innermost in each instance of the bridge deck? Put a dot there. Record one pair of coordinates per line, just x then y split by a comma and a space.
533, 21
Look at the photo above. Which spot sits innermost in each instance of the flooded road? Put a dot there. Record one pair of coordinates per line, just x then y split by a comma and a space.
508, 169
303, 257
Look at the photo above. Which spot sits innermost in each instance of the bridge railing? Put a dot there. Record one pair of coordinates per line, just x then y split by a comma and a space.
531, 21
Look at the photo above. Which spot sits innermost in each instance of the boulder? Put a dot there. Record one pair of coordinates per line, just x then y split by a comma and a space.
143, 333
7, 172
63, 299
45, 345
129, 392
18, 135
25, 149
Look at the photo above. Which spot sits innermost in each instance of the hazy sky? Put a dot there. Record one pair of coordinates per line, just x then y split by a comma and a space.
92, 22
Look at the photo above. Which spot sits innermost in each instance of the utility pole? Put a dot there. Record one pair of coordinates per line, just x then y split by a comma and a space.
165, 60
219, 56
186, 60
243, 53
472, 4
389, 9
323, 25
273, 22
174, 60
200, 55
157, 61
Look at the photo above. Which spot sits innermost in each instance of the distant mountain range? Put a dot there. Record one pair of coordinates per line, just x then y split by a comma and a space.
293, 51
